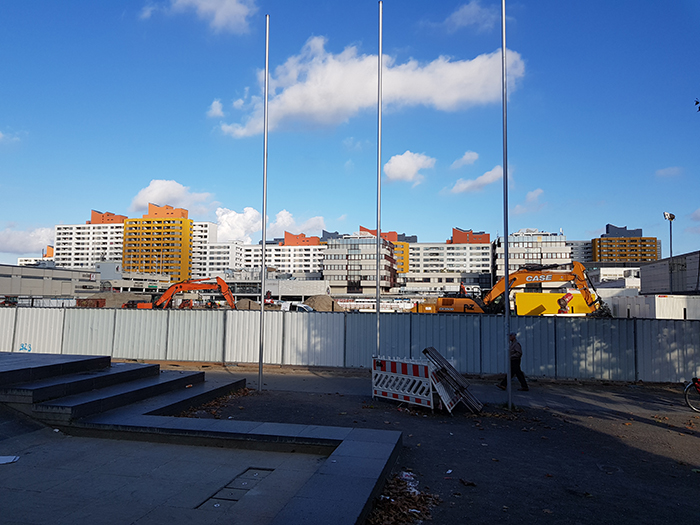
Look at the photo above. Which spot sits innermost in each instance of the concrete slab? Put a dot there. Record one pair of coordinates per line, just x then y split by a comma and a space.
153, 479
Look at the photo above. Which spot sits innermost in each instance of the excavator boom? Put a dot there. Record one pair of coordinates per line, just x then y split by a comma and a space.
540, 274
195, 284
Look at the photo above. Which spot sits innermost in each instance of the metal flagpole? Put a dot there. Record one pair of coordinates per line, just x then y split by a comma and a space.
379, 172
506, 293
263, 266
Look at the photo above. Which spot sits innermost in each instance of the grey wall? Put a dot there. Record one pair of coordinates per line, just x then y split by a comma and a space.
554, 347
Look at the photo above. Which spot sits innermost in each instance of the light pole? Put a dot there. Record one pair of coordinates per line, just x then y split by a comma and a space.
670, 217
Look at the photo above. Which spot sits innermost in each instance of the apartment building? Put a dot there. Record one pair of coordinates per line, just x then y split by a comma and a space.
350, 264
293, 254
623, 245
159, 242
401, 242
465, 252
531, 246
83, 245
215, 259
581, 251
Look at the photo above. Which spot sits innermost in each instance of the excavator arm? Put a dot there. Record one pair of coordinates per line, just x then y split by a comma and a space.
547, 274
195, 284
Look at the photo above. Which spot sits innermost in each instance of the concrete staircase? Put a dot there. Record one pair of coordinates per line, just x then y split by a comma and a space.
60, 389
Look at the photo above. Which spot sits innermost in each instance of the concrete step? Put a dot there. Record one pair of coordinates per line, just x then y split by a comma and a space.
170, 403
66, 385
18, 367
76, 406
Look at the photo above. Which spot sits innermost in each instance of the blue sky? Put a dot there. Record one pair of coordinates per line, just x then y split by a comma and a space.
110, 105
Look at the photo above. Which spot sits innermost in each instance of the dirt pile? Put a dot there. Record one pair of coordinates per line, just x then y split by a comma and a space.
323, 303
247, 304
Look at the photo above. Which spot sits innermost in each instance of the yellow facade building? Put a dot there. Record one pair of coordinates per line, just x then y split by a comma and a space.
159, 242
401, 256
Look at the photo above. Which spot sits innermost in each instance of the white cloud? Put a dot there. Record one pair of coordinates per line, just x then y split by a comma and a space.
284, 221
5, 138
473, 14
695, 215
470, 157
669, 172
352, 144
147, 11
172, 193
216, 109
532, 203
234, 226
222, 15
240, 226
325, 89
472, 185
407, 167
533, 195
25, 242
349, 165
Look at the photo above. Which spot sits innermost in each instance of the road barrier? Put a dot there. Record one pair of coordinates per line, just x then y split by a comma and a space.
406, 380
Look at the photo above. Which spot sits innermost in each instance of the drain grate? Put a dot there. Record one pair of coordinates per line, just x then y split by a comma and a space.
235, 489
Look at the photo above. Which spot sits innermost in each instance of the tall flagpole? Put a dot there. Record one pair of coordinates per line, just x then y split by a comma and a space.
379, 173
263, 266
506, 293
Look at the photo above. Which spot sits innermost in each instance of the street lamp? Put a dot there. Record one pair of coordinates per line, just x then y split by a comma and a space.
670, 217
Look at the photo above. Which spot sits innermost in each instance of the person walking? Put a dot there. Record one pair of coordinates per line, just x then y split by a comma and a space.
516, 355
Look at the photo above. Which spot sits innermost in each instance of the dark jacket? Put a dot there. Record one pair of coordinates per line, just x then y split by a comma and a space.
516, 351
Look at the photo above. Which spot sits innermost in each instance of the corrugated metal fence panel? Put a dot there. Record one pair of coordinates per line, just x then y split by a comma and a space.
536, 336
141, 334
88, 331
196, 335
456, 337
360, 339
668, 351
313, 338
243, 337
394, 335
493, 352
595, 348
39, 330
7, 328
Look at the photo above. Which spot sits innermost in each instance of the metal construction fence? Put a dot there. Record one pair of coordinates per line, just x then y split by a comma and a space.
554, 347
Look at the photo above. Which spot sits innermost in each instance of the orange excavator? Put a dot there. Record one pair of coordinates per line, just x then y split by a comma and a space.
165, 300
493, 301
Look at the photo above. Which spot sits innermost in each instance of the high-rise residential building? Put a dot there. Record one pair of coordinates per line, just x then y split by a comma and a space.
293, 254
83, 245
401, 254
581, 251
531, 246
623, 245
159, 242
215, 259
350, 264
466, 251
401, 242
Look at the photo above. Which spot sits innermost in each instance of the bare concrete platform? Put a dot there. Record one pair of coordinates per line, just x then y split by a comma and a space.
140, 464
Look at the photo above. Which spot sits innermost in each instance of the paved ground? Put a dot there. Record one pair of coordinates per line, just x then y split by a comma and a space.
60, 479
569, 453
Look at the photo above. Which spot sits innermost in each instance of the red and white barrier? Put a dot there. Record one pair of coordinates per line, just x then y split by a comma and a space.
406, 380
